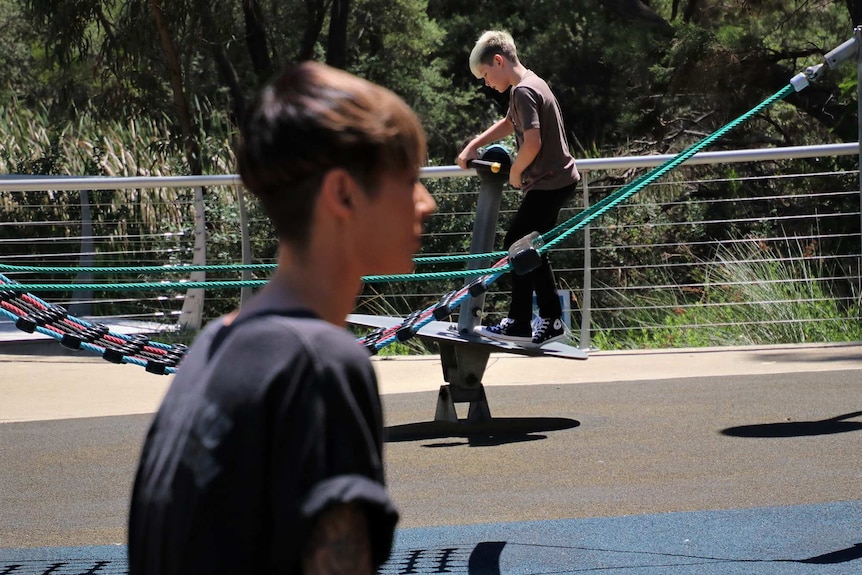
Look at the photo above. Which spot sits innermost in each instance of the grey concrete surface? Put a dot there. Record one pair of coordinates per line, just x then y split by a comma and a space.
36, 386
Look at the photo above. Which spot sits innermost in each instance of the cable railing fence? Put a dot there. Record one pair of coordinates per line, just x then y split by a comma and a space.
759, 259
749, 246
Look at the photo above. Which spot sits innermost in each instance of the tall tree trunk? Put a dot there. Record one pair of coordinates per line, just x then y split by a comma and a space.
227, 74
691, 10
336, 52
255, 39
192, 312
638, 13
316, 15
175, 73
82, 300
226, 71
854, 7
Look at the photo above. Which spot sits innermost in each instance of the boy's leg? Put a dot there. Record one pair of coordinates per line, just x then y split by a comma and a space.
521, 306
530, 215
542, 281
538, 212
550, 327
545, 286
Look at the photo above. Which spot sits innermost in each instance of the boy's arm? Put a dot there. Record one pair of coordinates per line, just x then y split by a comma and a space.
497, 131
526, 154
339, 543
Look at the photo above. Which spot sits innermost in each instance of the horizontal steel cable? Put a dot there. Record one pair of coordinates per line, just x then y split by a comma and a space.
567, 228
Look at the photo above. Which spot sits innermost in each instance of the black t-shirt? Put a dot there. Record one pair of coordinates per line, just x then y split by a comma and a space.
268, 421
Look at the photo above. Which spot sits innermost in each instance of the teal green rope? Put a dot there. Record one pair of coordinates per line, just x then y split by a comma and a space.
458, 258
215, 267
18, 287
234, 284
436, 275
140, 269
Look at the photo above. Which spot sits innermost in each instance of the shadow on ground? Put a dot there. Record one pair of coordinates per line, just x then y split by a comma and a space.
497, 431
798, 428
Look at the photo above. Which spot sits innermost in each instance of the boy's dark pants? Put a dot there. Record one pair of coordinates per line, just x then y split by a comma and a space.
538, 212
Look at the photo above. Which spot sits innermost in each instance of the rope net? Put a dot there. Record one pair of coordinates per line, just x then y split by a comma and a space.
33, 315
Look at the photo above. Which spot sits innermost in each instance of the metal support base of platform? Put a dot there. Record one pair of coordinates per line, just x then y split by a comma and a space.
464, 364
463, 368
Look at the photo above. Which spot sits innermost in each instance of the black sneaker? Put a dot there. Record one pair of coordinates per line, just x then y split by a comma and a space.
548, 330
507, 330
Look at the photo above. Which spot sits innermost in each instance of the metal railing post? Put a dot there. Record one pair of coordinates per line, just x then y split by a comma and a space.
586, 299
245, 244
191, 316
81, 303
857, 33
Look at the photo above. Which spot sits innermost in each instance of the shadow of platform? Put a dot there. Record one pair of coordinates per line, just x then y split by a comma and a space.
498, 431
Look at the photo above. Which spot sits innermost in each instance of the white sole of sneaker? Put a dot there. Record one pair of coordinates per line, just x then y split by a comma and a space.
560, 337
483, 331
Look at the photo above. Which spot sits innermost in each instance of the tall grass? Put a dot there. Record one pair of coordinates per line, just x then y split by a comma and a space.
376, 303
127, 227
31, 142
750, 296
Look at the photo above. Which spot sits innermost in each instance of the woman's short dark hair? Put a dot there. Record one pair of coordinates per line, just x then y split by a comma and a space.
313, 118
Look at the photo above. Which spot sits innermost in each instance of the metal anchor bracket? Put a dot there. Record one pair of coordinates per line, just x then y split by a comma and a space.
831, 60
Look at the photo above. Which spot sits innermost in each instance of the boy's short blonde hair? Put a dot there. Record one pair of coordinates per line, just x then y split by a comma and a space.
490, 44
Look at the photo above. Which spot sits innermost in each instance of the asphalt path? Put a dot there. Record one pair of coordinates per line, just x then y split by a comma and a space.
694, 461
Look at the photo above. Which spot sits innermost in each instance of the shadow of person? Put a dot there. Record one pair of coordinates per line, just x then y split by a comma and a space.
497, 431
798, 428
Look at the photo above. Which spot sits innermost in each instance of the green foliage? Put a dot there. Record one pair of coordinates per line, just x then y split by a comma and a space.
751, 297
622, 82
134, 228
18, 60
400, 31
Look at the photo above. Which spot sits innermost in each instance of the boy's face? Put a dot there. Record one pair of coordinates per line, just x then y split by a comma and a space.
495, 74
392, 223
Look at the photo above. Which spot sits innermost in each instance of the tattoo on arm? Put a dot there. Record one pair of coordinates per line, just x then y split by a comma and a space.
339, 543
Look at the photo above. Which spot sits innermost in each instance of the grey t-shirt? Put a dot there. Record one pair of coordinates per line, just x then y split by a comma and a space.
532, 105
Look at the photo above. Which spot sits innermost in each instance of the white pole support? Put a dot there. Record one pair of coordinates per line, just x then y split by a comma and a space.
193, 306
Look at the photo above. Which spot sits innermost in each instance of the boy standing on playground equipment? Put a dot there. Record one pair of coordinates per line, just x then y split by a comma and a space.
545, 172
266, 453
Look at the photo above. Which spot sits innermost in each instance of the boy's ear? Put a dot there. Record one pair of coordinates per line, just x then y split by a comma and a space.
338, 192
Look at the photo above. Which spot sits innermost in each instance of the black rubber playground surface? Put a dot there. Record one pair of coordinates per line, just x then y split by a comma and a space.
742, 473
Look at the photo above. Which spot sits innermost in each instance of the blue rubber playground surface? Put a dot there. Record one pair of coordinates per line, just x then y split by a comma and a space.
795, 540
810, 539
